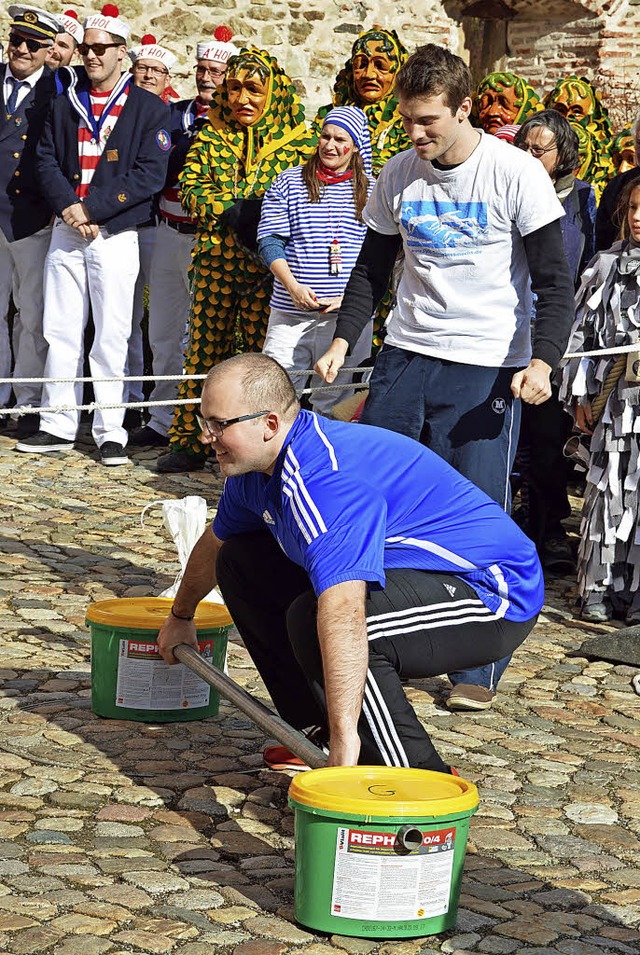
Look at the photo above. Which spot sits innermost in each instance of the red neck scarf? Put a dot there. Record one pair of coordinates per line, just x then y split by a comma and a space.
329, 178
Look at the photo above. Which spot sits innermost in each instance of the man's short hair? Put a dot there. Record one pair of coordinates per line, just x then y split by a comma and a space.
265, 383
432, 70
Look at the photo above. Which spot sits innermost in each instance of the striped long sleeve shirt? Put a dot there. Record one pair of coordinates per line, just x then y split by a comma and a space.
309, 229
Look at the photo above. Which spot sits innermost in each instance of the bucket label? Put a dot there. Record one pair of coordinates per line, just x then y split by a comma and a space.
373, 881
146, 682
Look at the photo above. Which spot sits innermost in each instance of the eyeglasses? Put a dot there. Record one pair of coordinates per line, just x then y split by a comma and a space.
537, 151
16, 39
215, 428
99, 49
154, 70
206, 71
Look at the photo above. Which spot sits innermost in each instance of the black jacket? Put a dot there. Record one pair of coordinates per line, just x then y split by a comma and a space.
24, 210
130, 171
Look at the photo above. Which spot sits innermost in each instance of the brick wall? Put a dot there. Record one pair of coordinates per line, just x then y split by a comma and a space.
544, 40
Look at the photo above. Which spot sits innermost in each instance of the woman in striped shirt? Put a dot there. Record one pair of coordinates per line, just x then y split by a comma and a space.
311, 231
310, 234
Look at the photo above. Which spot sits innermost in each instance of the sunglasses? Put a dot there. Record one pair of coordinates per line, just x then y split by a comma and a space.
99, 49
16, 39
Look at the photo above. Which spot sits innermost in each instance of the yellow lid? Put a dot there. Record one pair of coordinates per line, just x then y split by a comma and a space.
148, 613
383, 791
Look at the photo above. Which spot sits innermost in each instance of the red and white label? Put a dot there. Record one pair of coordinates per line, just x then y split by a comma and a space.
375, 880
146, 682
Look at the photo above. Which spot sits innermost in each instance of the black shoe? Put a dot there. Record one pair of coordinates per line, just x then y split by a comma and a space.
42, 442
27, 425
5, 421
558, 557
148, 437
176, 462
132, 419
112, 454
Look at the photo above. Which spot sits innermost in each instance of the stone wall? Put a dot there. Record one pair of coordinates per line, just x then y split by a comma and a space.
540, 39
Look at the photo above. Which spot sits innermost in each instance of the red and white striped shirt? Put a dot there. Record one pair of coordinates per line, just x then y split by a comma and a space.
90, 150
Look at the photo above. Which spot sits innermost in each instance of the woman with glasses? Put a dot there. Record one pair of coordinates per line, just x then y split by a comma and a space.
550, 138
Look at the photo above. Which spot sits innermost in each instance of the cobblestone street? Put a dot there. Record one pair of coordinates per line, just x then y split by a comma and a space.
120, 837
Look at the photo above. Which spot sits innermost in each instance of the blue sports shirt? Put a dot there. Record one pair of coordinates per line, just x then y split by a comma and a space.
350, 501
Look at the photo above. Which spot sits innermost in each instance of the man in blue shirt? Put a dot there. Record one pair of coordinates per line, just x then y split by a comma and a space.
350, 558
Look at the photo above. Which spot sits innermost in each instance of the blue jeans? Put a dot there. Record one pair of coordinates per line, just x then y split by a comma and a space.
467, 415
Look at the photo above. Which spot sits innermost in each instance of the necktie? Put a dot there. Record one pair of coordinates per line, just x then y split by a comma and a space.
13, 98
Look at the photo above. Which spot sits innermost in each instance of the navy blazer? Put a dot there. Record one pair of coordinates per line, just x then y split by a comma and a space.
130, 171
23, 208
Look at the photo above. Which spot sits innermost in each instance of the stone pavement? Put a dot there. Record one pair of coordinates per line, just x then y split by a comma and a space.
130, 837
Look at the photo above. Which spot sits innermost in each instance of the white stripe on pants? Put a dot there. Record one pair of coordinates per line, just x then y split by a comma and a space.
298, 340
21, 271
78, 272
169, 302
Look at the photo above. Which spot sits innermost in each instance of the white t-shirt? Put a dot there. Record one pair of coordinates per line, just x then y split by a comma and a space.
465, 294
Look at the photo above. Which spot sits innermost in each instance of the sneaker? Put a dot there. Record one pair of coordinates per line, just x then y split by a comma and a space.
112, 454
27, 425
558, 556
148, 437
595, 612
281, 757
177, 462
42, 442
467, 696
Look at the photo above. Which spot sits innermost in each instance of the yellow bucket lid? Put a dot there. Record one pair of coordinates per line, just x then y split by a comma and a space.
148, 613
383, 791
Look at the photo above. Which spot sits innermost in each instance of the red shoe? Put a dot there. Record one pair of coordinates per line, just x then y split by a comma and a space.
279, 757
453, 771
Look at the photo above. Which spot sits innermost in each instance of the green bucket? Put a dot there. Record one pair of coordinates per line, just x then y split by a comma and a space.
129, 678
379, 849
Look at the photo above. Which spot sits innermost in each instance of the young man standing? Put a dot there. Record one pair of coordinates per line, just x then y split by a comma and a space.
479, 226
102, 157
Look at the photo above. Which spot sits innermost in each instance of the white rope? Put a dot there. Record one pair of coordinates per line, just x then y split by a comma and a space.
618, 350
20, 410
185, 377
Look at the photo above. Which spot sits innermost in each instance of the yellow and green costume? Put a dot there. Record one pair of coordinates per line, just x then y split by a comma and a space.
385, 123
526, 100
594, 130
231, 286
388, 137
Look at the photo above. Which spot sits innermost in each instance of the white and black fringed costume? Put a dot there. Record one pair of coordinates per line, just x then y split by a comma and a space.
608, 315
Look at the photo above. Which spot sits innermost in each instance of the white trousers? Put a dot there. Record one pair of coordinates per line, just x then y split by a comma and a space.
78, 272
21, 271
297, 340
135, 353
169, 301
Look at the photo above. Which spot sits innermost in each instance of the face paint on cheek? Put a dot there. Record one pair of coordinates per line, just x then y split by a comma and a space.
345, 150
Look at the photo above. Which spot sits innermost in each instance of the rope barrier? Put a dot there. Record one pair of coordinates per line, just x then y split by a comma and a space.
183, 377
596, 353
20, 410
